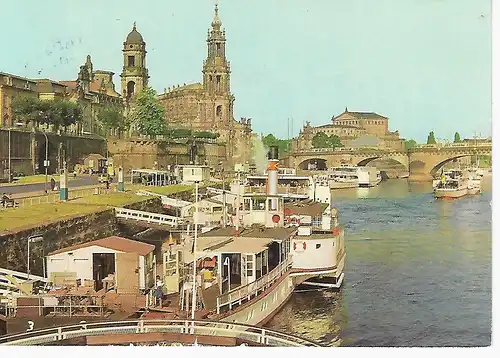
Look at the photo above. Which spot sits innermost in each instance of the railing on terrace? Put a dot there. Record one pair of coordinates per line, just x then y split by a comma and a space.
54, 197
249, 333
281, 190
243, 293
130, 214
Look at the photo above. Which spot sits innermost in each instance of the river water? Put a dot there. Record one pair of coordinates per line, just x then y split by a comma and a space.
418, 272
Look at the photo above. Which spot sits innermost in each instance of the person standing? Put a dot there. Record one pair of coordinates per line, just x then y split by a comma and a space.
158, 291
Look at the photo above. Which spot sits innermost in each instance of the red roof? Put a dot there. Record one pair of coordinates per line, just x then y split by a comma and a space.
114, 243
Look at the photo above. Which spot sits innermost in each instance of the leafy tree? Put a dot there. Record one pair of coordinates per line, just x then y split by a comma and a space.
147, 114
58, 113
282, 144
112, 118
321, 140
431, 139
457, 138
206, 134
335, 141
410, 144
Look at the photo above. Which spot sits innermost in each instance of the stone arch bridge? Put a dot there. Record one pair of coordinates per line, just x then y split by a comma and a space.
422, 162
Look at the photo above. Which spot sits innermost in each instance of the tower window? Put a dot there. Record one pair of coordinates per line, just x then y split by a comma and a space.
218, 112
130, 89
131, 61
218, 82
218, 50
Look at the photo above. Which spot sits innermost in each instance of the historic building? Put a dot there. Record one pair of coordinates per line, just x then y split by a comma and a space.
134, 73
93, 90
355, 129
208, 105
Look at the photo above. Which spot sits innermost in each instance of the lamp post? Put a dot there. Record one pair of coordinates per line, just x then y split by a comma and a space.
46, 162
193, 303
34, 238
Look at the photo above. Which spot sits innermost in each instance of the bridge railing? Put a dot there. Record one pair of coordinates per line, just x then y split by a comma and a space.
253, 334
138, 215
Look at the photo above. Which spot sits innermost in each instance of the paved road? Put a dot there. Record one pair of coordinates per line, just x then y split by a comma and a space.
29, 188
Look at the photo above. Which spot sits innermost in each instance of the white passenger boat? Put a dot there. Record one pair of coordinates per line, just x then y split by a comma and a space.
270, 248
452, 185
343, 177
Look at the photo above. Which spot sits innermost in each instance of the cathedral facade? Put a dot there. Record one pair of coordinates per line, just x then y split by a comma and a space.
209, 105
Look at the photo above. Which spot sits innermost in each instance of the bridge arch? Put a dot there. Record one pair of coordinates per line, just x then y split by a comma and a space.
437, 167
365, 161
313, 164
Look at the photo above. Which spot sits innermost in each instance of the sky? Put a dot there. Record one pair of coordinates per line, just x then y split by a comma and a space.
424, 64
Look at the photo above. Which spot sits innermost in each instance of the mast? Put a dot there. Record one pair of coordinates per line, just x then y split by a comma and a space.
193, 302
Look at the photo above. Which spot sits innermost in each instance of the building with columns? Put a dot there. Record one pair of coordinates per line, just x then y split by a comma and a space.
354, 129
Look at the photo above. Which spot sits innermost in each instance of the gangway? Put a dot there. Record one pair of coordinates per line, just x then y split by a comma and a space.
11, 282
165, 200
146, 216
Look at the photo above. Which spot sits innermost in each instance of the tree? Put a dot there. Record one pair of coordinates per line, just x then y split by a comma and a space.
457, 138
431, 139
112, 118
321, 140
335, 141
58, 113
282, 144
147, 114
410, 144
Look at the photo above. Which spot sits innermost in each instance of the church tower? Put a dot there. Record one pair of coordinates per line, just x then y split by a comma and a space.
216, 73
135, 74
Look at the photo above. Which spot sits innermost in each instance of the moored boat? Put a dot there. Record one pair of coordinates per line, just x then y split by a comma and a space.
452, 185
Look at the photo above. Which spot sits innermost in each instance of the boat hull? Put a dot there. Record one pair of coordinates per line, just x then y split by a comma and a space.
450, 193
342, 185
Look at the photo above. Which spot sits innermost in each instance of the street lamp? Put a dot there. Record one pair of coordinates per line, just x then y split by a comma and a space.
34, 238
10, 170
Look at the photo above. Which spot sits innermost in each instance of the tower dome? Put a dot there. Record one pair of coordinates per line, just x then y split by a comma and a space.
134, 37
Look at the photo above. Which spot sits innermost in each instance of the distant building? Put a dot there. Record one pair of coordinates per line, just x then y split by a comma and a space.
354, 129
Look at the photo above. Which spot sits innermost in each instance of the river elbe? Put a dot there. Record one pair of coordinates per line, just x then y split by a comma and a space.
418, 272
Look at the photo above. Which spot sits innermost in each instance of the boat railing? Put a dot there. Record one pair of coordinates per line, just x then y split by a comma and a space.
256, 335
282, 189
242, 293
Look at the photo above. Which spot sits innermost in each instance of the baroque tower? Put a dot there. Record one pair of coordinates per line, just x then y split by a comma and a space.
134, 74
216, 74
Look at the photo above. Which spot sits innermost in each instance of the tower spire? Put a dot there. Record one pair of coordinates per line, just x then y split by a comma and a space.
134, 28
216, 22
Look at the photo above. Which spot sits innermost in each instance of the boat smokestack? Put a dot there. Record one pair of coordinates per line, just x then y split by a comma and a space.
272, 171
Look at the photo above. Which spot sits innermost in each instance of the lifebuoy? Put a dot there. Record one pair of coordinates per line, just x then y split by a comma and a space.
304, 245
295, 246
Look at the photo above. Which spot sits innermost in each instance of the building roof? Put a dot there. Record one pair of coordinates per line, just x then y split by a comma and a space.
306, 207
277, 233
134, 37
114, 243
360, 115
243, 245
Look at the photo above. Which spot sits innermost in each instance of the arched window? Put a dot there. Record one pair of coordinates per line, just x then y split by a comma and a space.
218, 111
218, 82
130, 89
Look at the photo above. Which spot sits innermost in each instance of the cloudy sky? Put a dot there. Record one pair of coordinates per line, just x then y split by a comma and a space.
425, 64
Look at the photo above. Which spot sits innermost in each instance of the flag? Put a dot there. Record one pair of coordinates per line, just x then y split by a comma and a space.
171, 240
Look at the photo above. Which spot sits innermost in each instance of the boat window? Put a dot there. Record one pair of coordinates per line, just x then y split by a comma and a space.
318, 246
246, 205
258, 204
